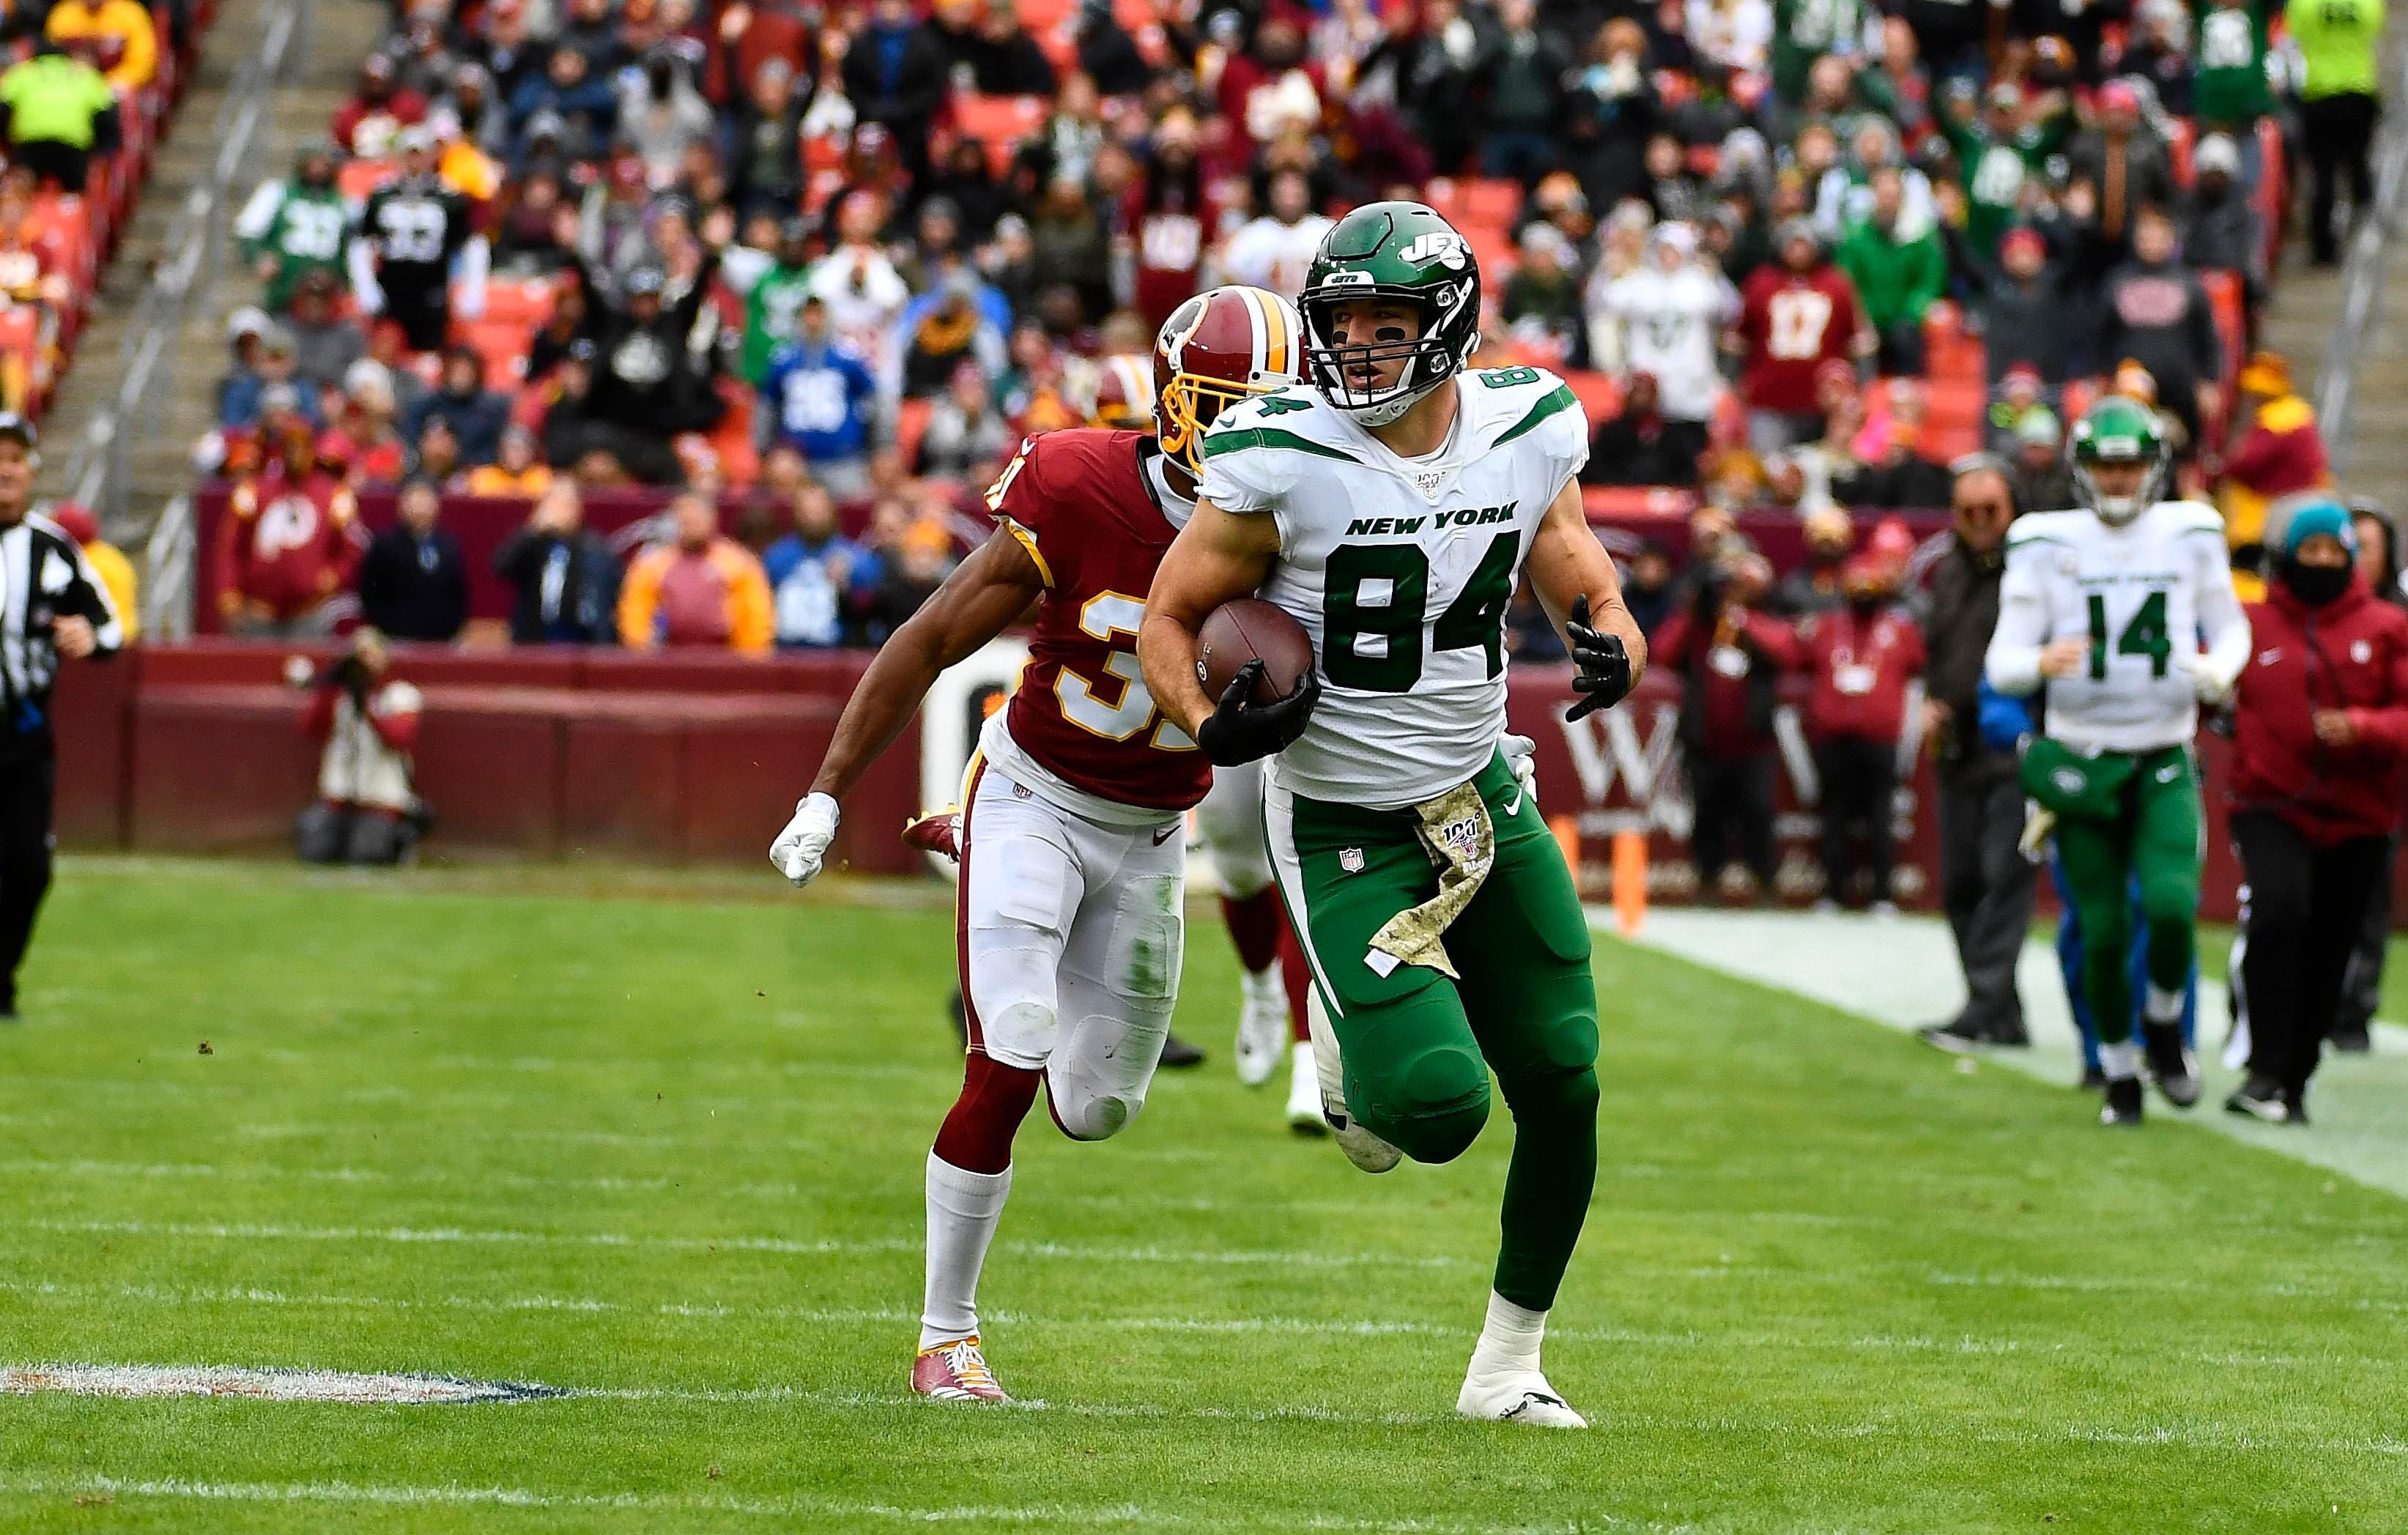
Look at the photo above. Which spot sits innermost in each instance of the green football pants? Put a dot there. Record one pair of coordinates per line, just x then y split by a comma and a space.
1418, 1046
2148, 825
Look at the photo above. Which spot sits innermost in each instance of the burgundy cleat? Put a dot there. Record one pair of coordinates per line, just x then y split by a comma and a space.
939, 832
956, 1371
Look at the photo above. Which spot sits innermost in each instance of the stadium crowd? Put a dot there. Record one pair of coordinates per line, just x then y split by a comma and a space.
824, 265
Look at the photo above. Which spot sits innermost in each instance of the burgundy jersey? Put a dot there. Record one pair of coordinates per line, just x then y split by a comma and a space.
1082, 503
1793, 324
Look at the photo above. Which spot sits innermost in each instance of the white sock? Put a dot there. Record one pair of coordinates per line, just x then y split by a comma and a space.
2162, 1006
1264, 986
1510, 1338
963, 1209
2121, 1062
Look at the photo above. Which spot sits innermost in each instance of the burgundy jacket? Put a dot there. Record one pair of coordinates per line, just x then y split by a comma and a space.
2351, 653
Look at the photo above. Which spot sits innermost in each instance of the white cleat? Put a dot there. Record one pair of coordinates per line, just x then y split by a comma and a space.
1261, 1025
1304, 1093
1514, 1396
1363, 1149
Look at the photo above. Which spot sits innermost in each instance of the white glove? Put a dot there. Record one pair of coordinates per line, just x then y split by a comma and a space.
2038, 826
2206, 678
1522, 756
805, 841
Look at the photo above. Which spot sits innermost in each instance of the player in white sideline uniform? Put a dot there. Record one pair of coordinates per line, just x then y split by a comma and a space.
1391, 508
2105, 607
1667, 319
1070, 831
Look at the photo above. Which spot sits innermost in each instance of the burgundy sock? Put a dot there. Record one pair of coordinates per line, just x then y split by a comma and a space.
977, 1134
1256, 924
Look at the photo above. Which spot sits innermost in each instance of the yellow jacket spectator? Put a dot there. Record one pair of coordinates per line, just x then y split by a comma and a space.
2279, 452
126, 21
55, 110
701, 590
109, 561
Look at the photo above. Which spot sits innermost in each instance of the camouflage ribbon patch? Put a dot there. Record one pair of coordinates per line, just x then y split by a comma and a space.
1457, 833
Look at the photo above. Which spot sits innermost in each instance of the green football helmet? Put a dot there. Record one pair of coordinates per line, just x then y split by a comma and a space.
2118, 430
1401, 251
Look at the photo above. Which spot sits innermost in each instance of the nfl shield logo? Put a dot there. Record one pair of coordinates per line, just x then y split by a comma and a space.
1350, 860
2068, 780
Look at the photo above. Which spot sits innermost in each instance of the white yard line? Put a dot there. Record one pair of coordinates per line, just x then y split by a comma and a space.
1902, 972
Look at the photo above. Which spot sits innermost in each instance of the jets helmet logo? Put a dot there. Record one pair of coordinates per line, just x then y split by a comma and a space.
1443, 246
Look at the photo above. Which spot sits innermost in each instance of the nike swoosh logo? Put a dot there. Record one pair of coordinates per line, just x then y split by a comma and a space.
1513, 805
2268, 658
1164, 835
2168, 773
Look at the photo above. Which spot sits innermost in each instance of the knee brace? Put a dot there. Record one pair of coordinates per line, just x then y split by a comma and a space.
1432, 1105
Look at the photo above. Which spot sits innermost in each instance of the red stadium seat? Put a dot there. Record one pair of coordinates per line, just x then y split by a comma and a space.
523, 300
1600, 393
911, 425
1602, 502
359, 178
1493, 203
2231, 325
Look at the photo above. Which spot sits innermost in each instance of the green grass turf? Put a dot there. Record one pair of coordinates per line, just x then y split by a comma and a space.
1830, 1282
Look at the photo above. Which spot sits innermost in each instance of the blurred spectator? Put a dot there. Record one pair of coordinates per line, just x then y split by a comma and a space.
1986, 882
378, 108
775, 302
237, 392
965, 436
2042, 480
766, 142
701, 589
2319, 779
1817, 586
2222, 232
364, 435
288, 544
812, 571
1731, 658
894, 74
108, 562
1897, 266
1897, 474
2021, 307
122, 26
821, 392
324, 343
2118, 168
367, 811
864, 295
411, 229
1530, 635
475, 414
2339, 102
2279, 451
912, 555
2229, 93
1521, 82
2001, 158
1541, 301
568, 104
56, 110
2157, 314
1794, 317
290, 230
944, 331
413, 583
435, 454
1639, 447
1647, 586
1274, 250
1070, 266
1859, 657
517, 470
661, 115
566, 578
2361, 992
1666, 318
647, 383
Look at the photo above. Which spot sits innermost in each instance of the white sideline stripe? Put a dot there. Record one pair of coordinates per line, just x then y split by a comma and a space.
85, 1167
789, 1506
135, 1381
1903, 974
248, 1232
1210, 1326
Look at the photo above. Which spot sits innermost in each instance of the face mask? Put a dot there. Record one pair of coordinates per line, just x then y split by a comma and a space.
2315, 585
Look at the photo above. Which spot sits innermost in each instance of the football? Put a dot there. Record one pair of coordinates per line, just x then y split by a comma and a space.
1247, 630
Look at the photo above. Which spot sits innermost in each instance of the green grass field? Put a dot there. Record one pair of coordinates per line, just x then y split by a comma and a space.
661, 1145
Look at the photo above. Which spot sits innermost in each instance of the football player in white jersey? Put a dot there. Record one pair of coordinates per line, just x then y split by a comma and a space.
1390, 504
1667, 319
2107, 606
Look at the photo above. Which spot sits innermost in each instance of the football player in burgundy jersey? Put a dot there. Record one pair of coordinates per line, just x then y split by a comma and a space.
1273, 978
1070, 834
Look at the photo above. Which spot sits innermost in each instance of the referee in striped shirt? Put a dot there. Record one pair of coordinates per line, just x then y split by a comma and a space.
52, 604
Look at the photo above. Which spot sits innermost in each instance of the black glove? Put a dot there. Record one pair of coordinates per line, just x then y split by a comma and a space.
1238, 730
1601, 663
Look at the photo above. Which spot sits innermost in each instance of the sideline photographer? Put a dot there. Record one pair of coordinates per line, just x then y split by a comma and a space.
367, 810
1731, 655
